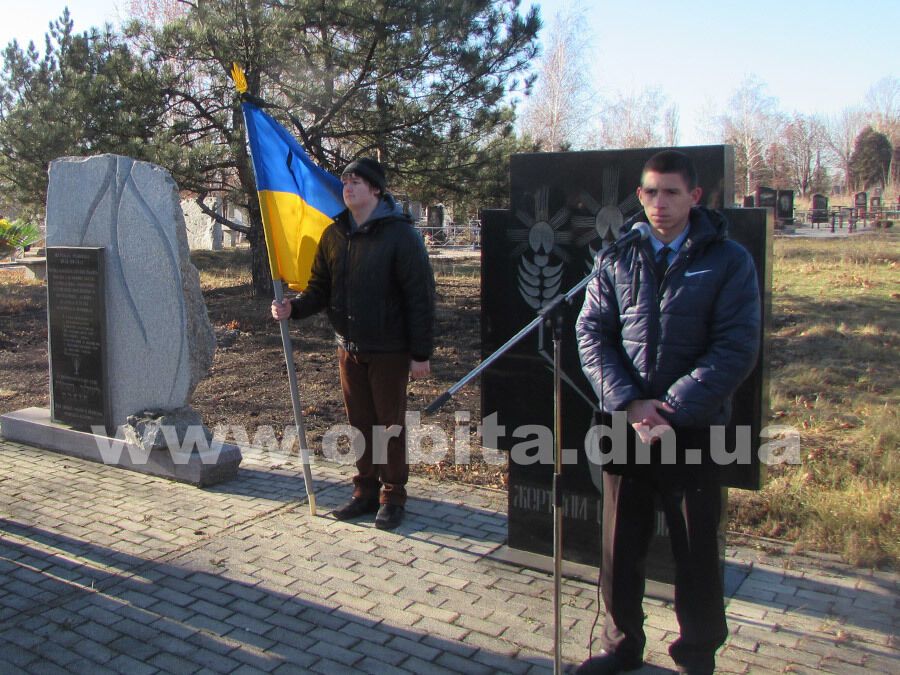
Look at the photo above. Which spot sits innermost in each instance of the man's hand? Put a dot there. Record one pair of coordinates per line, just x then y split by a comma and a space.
644, 418
281, 310
419, 369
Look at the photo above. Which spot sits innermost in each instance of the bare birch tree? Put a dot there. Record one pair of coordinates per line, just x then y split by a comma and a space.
751, 124
671, 119
803, 144
638, 119
883, 107
556, 114
883, 113
841, 131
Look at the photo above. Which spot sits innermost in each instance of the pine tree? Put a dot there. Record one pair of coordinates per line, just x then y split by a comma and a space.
421, 85
87, 94
871, 159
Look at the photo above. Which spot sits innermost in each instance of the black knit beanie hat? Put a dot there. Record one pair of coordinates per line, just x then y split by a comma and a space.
369, 169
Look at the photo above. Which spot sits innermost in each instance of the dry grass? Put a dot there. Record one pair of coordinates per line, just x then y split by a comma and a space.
834, 377
223, 269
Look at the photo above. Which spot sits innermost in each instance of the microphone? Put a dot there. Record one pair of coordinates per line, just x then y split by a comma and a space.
639, 232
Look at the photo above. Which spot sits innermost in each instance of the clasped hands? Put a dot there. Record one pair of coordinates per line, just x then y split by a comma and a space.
644, 418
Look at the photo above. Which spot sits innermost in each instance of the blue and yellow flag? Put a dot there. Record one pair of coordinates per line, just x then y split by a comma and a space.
298, 199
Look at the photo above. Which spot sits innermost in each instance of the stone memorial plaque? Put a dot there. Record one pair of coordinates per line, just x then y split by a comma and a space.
161, 343
117, 247
76, 311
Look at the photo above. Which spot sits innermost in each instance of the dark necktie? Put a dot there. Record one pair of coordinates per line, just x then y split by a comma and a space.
662, 264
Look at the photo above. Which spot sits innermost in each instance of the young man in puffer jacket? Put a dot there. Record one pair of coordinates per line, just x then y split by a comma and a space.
372, 276
668, 331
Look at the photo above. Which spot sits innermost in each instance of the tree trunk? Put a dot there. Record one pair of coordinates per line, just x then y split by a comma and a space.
259, 258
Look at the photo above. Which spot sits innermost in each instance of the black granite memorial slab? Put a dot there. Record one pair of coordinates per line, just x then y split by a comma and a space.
766, 197
861, 201
754, 230
819, 209
76, 311
784, 207
565, 208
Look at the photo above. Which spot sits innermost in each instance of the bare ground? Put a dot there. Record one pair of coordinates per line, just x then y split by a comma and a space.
247, 386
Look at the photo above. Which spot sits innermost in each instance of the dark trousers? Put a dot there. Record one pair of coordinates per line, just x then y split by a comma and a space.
692, 515
374, 387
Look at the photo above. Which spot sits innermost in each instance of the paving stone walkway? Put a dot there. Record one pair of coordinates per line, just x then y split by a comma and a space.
104, 570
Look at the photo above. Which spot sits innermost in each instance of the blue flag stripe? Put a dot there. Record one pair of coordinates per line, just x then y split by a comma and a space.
282, 165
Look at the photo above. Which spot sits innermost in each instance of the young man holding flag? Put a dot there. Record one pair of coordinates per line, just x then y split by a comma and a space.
372, 276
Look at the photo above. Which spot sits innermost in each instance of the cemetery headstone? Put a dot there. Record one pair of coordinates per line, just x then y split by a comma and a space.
784, 207
204, 233
766, 197
860, 202
819, 209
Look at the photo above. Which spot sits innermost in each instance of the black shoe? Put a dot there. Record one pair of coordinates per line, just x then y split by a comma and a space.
704, 669
389, 516
607, 663
356, 507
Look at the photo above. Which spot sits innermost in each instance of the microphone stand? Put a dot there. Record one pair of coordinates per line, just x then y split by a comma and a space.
553, 315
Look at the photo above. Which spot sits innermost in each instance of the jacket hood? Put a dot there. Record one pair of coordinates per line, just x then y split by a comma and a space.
387, 208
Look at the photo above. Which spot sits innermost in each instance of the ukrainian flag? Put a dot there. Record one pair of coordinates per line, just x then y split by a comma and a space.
298, 199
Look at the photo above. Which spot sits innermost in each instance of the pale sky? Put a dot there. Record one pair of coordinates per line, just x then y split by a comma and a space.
816, 56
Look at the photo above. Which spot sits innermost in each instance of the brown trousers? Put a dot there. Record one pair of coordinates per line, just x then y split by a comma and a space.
374, 387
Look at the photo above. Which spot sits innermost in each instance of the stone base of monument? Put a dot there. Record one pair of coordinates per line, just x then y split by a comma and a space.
33, 426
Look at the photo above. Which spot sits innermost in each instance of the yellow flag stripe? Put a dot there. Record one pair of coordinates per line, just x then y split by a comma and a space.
293, 229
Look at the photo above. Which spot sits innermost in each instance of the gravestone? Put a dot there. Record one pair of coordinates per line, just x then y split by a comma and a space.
565, 207
158, 341
784, 207
860, 202
766, 197
875, 205
204, 233
819, 209
76, 312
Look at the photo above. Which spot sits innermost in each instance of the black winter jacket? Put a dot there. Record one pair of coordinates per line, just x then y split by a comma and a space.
691, 343
376, 284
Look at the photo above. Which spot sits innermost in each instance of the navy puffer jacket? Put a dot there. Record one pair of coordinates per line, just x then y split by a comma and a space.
690, 343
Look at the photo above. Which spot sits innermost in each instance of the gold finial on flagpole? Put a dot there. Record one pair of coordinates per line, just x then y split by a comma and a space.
237, 74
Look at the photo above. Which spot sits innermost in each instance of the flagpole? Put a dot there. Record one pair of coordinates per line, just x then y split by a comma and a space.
295, 399
241, 85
